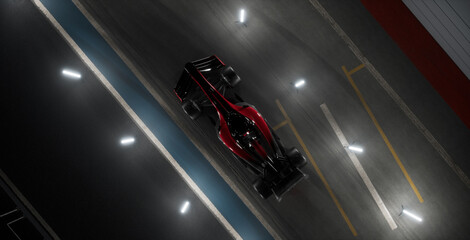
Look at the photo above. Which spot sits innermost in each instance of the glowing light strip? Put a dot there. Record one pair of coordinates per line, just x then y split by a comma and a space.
185, 207
242, 15
357, 149
412, 215
300, 83
72, 74
127, 141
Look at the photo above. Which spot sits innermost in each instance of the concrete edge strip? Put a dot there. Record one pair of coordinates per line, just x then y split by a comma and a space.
138, 121
160, 100
381, 80
359, 168
28, 206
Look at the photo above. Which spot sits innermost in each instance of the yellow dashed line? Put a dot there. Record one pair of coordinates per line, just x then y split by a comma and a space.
376, 123
317, 169
280, 125
355, 69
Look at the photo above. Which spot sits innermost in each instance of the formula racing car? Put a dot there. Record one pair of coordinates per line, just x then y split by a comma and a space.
206, 88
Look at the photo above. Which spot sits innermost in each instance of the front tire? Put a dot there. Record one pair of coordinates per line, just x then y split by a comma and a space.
229, 76
192, 109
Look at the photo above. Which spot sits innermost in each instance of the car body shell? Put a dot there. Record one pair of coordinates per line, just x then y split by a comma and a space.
239, 125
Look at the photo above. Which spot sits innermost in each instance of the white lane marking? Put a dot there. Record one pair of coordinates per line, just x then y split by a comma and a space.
381, 80
12, 211
168, 109
11, 229
359, 168
139, 122
28, 206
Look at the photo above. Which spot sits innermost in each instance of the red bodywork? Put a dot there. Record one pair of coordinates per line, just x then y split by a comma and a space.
239, 125
230, 142
224, 107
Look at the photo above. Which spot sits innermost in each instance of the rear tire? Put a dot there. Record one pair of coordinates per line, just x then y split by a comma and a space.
192, 109
230, 77
296, 158
262, 188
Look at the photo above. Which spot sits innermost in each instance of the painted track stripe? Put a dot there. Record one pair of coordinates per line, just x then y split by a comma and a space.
382, 134
138, 121
317, 169
44, 228
356, 69
280, 125
401, 104
359, 168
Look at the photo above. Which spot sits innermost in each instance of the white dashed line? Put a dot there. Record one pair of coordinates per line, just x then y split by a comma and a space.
35, 214
359, 168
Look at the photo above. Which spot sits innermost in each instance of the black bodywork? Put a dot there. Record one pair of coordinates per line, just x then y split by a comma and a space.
206, 87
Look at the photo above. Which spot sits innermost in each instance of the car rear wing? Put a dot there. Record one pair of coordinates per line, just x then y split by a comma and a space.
202, 66
208, 63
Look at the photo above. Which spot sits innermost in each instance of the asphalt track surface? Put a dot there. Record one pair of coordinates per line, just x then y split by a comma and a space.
64, 153
280, 43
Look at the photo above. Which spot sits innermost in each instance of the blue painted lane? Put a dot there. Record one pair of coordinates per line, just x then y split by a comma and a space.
153, 115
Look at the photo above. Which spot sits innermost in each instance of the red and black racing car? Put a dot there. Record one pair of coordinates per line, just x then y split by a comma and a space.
206, 87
